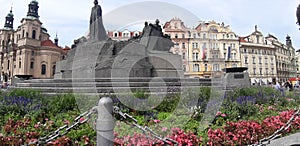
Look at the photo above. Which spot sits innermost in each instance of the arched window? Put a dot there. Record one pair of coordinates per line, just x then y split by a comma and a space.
23, 33
43, 69
33, 34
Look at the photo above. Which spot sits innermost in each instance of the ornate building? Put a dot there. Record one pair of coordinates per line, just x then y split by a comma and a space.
258, 54
28, 51
206, 49
285, 58
211, 46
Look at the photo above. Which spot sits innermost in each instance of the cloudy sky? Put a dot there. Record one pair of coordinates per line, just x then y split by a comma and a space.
70, 18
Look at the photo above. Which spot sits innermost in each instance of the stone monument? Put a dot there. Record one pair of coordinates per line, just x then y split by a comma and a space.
236, 77
98, 56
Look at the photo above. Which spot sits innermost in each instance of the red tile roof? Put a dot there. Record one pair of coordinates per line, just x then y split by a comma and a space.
49, 43
242, 39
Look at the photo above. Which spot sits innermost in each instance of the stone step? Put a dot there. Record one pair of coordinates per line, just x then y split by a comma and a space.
118, 84
109, 89
115, 80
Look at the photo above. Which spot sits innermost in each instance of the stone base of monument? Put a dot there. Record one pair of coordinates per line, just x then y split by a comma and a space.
230, 79
104, 86
236, 78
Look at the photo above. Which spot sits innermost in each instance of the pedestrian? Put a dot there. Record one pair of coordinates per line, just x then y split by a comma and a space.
277, 86
5, 79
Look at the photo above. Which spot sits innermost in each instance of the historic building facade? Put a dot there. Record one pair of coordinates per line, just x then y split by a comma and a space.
285, 57
28, 51
206, 49
258, 54
211, 46
298, 63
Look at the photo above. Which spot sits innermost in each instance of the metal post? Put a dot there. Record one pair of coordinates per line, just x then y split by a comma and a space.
105, 122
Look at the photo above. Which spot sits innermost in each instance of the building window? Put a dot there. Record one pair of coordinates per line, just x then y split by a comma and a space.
246, 60
194, 35
267, 71
216, 67
253, 60
224, 46
196, 68
23, 33
204, 36
32, 53
266, 61
183, 45
43, 69
33, 34
31, 65
260, 71
184, 68
183, 55
205, 67
254, 71
259, 60
20, 64
20, 52
195, 56
8, 62
234, 65
183, 36
176, 36
272, 71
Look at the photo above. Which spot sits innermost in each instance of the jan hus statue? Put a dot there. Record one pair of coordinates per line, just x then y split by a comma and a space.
97, 31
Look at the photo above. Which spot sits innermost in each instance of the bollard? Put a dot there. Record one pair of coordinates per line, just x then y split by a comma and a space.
105, 122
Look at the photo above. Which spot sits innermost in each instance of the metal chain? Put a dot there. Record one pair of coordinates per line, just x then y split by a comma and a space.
280, 131
63, 130
146, 130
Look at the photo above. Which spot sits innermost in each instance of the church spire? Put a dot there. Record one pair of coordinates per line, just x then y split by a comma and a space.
33, 9
56, 40
9, 20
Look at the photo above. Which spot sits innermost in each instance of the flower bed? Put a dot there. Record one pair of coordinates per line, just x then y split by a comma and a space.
245, 117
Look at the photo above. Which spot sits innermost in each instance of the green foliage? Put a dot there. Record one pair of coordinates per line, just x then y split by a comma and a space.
61, 103
29, 93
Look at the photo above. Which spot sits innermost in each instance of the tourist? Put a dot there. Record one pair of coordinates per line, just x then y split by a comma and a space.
5, 79
277, 86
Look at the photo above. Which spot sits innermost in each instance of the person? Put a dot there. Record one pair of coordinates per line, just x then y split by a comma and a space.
289, 85
5, 79
277, 86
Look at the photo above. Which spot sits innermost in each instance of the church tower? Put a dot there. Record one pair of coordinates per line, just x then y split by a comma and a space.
9, 20
33, 9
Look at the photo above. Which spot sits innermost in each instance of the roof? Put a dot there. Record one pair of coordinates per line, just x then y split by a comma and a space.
242, 39
48, 43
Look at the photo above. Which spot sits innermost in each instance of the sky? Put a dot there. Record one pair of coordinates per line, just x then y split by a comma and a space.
69, 19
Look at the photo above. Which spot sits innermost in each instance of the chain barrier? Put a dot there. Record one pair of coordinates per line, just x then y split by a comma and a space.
63, 130
146, 130
279, 132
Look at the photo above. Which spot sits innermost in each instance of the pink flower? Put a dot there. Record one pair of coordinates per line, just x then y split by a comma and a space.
66, 122
223, 115
164, 129
218, 113
156, 121
81, 119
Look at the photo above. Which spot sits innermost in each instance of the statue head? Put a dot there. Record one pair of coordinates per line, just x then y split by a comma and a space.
96, 2
157, 22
